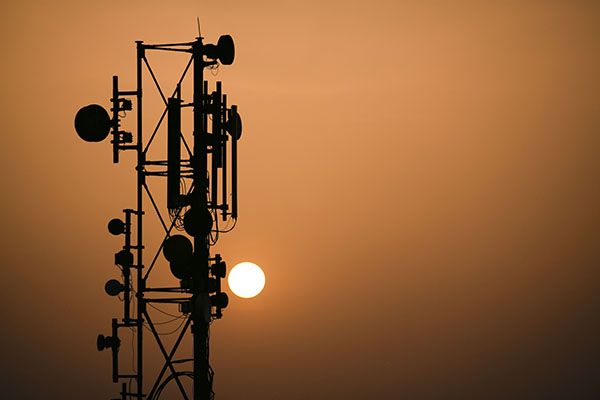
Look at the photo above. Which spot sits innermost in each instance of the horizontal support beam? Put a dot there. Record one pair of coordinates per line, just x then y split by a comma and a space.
171, 300
159, 45
128, 92
167, 289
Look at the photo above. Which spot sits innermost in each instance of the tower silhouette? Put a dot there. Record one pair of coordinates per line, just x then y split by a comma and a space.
201, 187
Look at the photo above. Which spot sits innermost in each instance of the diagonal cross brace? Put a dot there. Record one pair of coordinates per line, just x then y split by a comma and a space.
162, 117
168, 357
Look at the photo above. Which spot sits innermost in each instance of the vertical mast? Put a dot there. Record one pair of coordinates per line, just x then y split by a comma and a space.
140, 183
199, 196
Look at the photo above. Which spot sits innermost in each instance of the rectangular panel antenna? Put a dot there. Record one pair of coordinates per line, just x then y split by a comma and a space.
173, 152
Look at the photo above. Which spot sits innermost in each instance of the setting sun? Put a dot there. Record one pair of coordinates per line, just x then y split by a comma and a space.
246, 280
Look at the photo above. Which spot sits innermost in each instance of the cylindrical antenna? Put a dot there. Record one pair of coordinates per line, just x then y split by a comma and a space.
234, 208
173, 152
224, 169
217, 144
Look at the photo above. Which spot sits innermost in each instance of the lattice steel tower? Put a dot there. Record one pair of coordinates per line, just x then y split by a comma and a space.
201, 191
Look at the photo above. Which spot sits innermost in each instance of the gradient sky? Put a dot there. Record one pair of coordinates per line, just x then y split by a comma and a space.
419, 181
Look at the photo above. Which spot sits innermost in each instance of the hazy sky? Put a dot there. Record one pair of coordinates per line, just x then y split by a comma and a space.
419, 181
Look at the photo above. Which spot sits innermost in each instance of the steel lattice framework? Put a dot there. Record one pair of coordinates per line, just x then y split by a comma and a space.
206, 169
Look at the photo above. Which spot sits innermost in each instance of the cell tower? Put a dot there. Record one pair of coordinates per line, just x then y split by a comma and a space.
198, 197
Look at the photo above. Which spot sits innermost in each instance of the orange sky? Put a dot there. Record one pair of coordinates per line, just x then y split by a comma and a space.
419, 181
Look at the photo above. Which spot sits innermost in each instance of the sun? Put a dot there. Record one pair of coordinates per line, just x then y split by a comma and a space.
246, 280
